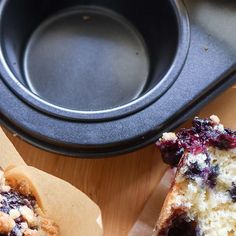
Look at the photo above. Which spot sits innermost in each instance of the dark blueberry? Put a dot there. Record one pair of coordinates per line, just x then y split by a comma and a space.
232, 192
196, 140
190, 141
202, 124
225, 141
19, 220
14, 200
171, 152
16, 231
208, 174
180, 225
211, 178
193, 171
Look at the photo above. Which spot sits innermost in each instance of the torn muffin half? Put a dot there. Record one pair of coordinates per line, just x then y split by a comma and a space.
202, 200
20, 214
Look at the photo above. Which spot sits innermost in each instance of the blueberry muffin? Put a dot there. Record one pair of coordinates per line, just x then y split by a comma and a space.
202, 200
34, 203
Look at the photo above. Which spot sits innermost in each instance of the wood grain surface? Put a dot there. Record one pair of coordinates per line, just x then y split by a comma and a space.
121, 185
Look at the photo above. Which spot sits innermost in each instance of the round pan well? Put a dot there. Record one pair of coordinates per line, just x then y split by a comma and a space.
90, 60
91, 55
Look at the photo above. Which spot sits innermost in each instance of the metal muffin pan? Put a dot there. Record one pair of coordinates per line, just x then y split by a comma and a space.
104, 64
95, 78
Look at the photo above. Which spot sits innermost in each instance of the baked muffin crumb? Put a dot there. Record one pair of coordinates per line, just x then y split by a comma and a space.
204, 190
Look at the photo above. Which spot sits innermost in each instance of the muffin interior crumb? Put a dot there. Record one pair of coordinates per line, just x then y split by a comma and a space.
212, 207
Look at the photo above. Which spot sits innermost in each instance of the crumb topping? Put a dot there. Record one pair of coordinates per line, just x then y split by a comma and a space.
215, 119
14, 213
169, 136
6, 223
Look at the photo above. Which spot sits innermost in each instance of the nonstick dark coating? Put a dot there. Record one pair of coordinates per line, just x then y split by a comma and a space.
185, 73
87, 59
137, 52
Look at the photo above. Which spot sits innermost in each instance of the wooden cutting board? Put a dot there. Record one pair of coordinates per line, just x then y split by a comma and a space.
122, 185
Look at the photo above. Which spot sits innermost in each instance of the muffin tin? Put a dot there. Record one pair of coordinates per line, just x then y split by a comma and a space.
96, 78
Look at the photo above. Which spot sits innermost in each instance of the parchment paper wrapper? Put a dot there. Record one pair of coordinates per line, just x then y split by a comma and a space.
146, 222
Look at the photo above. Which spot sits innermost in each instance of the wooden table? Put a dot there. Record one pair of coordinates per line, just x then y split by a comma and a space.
120, 185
